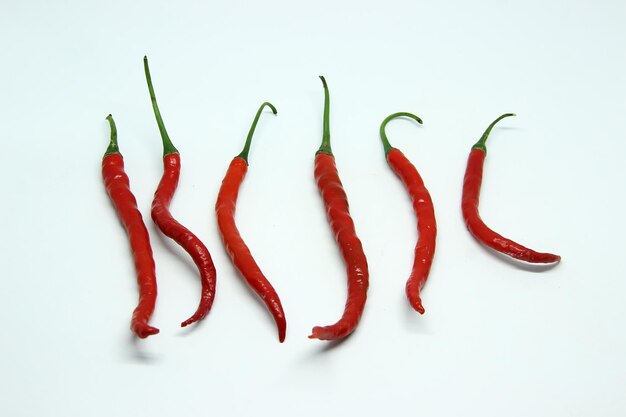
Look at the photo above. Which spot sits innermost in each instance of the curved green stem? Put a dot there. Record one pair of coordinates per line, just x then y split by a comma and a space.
113, 143
246, 148
383, 135
482, 142
168, 146
325, 146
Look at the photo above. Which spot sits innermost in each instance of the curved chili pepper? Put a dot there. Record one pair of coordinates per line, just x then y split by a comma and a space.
168, 225
235, 246
471, 194
424, 210
338, 213
118, 187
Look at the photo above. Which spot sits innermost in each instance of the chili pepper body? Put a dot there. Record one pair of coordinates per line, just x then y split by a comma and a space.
169, 226
338, 214
235, 246
117, 185
471, 193
180, 234
426, 225
424, 211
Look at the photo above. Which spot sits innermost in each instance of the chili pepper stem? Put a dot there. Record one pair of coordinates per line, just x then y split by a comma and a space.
481, 144
168, 146
246, 147
113, 148
325, 146
383, 135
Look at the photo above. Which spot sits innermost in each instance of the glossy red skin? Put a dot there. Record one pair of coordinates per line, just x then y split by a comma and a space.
118, 186
426, 225
237, 248
471, 194
338, 213
184, 237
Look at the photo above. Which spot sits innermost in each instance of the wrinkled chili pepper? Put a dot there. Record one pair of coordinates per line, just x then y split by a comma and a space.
118, 187
471, 194
168, 225
235, 246
338, 213
424, 210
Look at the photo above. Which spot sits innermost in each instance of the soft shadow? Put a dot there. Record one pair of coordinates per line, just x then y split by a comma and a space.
329, 345
318, 354
138, 354
414, 321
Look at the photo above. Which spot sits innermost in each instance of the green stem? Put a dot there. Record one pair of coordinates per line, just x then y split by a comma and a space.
113, 143
325, 147
246, 148
168, 146
482, 142
383, 135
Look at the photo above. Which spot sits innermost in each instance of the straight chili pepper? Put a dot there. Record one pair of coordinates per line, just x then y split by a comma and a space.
235, 246
338, 213
424, 210
168, 225
471, 194
118, 187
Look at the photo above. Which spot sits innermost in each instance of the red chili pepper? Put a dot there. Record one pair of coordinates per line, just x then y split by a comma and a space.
235, 246
471, 194
118, 187
424, 210
338, 213
168, 225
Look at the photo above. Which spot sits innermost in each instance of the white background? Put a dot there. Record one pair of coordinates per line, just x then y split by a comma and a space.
496, 338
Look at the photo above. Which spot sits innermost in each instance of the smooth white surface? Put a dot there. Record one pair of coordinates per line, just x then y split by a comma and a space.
496, 339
